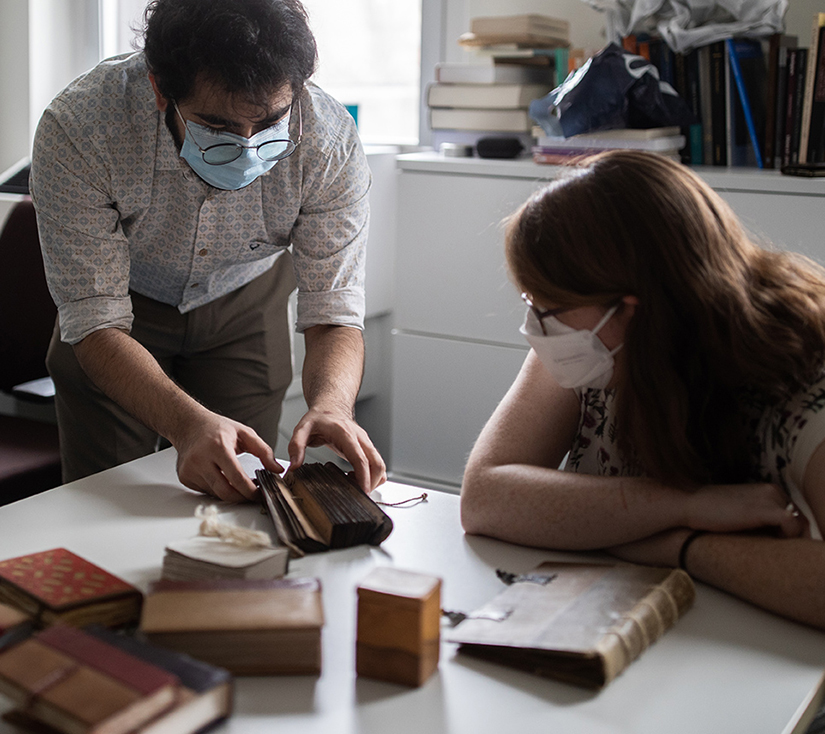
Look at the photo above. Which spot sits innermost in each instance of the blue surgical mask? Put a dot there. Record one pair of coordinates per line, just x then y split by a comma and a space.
244, 169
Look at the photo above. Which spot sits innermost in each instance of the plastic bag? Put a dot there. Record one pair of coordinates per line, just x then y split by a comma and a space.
614, 89
687, 24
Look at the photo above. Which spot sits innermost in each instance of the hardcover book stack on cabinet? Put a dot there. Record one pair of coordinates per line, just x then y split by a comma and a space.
666, 141
519, 58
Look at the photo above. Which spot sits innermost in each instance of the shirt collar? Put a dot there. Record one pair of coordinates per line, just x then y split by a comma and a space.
167, 157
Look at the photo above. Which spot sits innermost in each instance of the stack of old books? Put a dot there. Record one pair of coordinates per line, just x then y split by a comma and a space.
68, 680
518, 59
666, 141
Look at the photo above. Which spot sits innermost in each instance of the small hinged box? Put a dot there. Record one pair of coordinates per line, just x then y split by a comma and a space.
399, 623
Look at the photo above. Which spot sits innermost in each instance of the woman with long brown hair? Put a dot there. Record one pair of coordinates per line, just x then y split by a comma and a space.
679, 368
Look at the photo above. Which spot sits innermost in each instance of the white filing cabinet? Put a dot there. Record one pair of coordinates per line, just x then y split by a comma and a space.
456, 345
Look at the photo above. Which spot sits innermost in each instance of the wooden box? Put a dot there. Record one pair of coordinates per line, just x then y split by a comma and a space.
399, 622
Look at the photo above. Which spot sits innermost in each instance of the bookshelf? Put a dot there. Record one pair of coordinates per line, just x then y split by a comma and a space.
455, 344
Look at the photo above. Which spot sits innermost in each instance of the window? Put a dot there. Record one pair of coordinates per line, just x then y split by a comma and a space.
369, 56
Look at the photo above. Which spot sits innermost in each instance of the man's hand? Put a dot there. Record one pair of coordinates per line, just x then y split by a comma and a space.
345, 437
207, 443
207, 457
332, 372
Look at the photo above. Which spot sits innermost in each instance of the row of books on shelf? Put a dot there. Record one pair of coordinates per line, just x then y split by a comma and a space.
756, 101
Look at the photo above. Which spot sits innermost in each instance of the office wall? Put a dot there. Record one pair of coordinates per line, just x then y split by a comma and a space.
14, 81
44, 44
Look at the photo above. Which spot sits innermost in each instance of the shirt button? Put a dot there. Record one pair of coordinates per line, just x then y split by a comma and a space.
194, 285
203, 253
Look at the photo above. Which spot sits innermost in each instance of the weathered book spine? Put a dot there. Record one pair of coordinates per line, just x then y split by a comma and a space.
646, 622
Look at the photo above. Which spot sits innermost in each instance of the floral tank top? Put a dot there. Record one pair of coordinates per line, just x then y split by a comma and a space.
783, 438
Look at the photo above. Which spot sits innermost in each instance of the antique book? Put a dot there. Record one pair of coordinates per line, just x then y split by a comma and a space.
59, 586
248, 627
399, 626
515, 120
526, 23
485, 71
206, 691
318, 507
485, 96
580, 623
210, 558
15, 625
80, 684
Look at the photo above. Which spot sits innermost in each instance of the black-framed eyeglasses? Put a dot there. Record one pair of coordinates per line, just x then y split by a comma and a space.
272, 150
541, 315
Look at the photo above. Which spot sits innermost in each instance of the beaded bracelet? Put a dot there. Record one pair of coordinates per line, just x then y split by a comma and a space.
685, 545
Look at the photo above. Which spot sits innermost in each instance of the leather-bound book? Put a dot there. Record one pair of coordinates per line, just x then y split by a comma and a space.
580, 623
206, 691
258, 627
318, 507
15, 625
59, 586
79, 684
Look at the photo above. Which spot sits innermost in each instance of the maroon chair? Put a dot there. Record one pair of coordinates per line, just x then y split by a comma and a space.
29, 452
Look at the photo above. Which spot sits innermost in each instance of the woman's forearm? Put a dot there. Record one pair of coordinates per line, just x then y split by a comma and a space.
781, 575
548, 508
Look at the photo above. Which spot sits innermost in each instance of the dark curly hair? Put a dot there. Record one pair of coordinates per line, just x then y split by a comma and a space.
250, 48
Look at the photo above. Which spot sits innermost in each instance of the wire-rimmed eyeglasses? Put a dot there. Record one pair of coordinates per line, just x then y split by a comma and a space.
271, 150
541, 315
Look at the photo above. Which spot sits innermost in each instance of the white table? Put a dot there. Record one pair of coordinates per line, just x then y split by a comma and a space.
726, 667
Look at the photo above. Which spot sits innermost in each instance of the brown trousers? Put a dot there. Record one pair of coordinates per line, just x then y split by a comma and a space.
233, 355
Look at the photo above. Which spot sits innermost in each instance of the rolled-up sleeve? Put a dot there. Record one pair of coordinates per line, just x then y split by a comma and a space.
85, 253
330, 236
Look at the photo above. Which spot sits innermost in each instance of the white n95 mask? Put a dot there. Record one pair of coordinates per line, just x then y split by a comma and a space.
574, 357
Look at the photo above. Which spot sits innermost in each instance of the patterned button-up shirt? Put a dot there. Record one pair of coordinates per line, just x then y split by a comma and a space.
118, 209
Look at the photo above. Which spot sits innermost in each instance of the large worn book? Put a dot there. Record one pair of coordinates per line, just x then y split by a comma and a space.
580, 623
317, 507
248, 627
79, 684
60, 586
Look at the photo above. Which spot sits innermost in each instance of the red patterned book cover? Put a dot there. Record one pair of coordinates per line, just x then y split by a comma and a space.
55, 582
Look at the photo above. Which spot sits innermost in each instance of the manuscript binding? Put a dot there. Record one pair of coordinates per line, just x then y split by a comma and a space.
317, 507
579, 623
